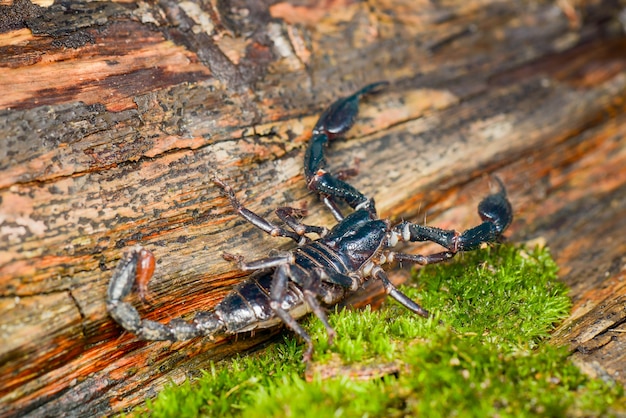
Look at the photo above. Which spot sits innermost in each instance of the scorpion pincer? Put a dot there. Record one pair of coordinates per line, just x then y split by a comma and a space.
317, 273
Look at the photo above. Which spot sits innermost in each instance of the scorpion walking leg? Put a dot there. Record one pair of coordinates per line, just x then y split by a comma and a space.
310, 284
392, 291
336, 120
253, 218
312, 289
494, 210
421, 259
277, 294
290, 217
311, 299
263, 263
131, 270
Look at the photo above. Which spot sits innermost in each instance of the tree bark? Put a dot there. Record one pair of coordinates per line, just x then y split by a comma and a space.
114, 116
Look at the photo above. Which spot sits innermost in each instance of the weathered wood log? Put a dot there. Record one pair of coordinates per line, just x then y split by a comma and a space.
114, 115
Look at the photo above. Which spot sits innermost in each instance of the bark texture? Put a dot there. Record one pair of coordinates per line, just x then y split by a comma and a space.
114, 115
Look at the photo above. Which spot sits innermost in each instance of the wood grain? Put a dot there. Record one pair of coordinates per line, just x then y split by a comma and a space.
114, 116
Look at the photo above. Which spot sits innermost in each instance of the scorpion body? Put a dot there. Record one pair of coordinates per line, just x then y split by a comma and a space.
245, 308
316, 273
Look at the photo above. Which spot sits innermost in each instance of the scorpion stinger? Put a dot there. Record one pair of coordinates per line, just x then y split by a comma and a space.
317, 273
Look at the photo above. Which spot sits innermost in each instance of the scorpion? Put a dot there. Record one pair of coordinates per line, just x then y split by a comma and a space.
317, 273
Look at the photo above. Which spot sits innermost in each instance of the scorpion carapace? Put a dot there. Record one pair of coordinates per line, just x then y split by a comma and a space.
317, 273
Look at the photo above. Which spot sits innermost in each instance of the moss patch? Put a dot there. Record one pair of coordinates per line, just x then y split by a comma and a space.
483, 353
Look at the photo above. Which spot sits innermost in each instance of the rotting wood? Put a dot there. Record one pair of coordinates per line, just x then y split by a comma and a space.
107, 143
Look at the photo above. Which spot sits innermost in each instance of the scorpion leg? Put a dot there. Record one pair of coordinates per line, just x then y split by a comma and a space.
312, 289
311, 286
494, 210
392, 291
332, 206
263, 263
277, 294
336, 120
310, 298
253, 218
290, 216
132, 269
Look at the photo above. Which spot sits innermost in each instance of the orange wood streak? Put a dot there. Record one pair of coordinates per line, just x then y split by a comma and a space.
112, 71
308, 14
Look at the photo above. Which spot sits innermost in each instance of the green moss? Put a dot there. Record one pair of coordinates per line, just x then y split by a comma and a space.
483, 353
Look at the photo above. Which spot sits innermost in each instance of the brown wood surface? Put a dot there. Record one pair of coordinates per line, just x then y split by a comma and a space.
113, 115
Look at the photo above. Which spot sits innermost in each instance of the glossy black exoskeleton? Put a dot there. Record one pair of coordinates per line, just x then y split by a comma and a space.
334, 122
317, 272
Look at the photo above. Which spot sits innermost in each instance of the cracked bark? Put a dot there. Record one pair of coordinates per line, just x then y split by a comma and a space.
114, 115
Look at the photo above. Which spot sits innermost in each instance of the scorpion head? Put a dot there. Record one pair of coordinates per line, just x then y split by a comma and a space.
362, 242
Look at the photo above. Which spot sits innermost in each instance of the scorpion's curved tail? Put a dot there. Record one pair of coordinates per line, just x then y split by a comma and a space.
336, 120
136, 267
247, 307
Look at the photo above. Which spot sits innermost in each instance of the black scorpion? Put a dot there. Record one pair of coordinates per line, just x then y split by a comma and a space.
317, 273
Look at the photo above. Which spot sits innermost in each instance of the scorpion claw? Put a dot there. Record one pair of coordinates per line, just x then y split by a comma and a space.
336, 120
